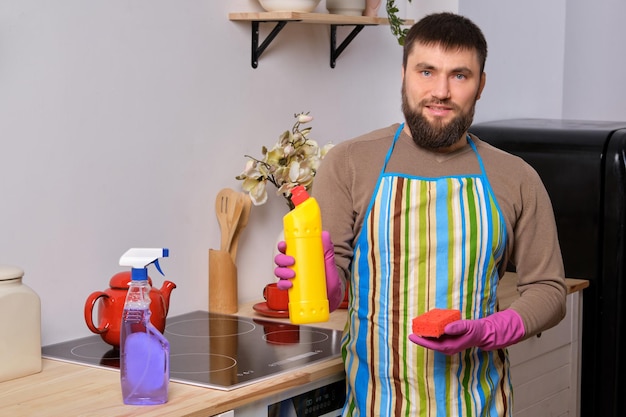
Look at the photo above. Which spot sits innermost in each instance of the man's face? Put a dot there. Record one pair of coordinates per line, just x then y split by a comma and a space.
439, 93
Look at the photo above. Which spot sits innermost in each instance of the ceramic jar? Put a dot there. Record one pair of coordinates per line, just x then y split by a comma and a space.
303, 6
20, 326
346, 7
371, 8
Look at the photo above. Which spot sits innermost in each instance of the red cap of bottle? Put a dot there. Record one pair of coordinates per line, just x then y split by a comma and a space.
298, 195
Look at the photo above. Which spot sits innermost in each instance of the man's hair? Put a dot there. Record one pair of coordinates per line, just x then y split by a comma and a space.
448, 30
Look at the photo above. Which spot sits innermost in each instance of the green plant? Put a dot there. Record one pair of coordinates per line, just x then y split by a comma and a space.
395, 23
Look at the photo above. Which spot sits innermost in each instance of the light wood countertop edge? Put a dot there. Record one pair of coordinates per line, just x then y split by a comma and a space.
575, 284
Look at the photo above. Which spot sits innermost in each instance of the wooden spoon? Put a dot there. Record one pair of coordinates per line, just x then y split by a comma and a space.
243, 221
223, 202
235, 207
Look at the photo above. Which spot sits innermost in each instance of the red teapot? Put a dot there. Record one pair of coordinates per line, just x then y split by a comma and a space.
111, 306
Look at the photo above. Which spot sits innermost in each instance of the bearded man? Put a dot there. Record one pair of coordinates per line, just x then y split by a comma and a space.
424, 215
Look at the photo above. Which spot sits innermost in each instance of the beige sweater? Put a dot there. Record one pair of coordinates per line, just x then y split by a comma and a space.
347, 177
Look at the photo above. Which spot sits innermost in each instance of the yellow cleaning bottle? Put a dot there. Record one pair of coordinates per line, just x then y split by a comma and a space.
308, 302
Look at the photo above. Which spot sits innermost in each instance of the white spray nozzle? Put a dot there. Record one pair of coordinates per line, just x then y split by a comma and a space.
140, 258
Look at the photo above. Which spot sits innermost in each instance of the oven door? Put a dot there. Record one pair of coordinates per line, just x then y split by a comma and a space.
323, 398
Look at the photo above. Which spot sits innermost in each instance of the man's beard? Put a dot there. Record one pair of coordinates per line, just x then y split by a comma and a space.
436, 135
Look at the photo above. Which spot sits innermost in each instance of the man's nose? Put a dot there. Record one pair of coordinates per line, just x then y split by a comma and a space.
441, 88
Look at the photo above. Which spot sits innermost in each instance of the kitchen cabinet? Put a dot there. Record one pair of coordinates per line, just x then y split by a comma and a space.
545, 369
282, 18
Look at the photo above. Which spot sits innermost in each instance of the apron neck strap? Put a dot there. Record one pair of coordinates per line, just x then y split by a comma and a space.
393, 144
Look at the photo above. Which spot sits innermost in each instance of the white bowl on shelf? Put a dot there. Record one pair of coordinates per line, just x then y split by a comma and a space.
303, 6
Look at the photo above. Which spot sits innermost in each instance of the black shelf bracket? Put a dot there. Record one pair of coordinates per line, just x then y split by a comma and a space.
335, 50
257, 50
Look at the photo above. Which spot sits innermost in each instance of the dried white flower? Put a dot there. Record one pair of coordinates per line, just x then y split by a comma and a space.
292, 161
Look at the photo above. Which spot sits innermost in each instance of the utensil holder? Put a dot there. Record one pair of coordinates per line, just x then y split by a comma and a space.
222, 283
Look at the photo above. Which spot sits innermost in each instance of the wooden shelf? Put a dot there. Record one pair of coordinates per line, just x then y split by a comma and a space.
319, 18
282, 18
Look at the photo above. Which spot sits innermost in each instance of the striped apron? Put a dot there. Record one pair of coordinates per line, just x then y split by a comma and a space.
425, 243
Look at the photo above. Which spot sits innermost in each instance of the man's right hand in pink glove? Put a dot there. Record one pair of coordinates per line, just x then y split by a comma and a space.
333, 282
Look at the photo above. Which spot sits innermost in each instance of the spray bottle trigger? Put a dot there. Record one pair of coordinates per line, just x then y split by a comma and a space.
158, 267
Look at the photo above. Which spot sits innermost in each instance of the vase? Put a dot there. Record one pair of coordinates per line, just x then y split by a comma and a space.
346, 7
371, 8
303, 6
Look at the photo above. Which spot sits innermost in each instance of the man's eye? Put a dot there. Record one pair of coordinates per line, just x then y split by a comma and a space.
460, 77
426, 73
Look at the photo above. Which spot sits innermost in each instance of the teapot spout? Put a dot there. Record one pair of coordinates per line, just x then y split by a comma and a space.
166, 290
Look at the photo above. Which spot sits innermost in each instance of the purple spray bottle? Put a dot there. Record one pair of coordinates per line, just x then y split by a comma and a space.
144, 351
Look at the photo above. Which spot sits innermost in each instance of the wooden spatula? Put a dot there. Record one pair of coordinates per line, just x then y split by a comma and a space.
243, 221
223, 203
235, 208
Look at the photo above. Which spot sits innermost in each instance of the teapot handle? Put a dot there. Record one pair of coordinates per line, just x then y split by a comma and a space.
91, 301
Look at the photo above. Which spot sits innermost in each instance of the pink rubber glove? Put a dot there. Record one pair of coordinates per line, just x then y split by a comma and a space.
497, 331
333, 282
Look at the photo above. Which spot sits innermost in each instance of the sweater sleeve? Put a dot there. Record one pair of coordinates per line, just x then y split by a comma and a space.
537, 258
332, 191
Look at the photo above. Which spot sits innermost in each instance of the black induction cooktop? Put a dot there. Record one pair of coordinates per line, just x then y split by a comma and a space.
217, 350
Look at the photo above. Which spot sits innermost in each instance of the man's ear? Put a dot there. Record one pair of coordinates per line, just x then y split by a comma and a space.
483, 80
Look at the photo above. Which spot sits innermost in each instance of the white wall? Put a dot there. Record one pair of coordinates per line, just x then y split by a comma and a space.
595, 59
525, 59
552, 59
120, 121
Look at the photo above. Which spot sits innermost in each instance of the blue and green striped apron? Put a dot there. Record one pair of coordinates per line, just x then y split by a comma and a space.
425, 243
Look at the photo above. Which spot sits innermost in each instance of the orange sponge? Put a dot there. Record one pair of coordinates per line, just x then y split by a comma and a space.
432, 323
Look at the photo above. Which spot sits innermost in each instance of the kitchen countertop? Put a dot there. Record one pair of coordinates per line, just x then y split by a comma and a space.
64, 389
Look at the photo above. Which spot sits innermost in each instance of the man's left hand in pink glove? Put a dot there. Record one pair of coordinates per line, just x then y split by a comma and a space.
497, 331
333, 282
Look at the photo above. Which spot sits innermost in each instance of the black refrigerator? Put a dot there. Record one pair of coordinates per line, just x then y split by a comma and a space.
583, 166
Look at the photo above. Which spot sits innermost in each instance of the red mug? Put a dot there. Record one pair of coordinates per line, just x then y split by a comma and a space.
276, 298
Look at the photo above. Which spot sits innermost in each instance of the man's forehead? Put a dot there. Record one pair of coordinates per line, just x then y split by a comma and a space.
451, 49
420, 50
